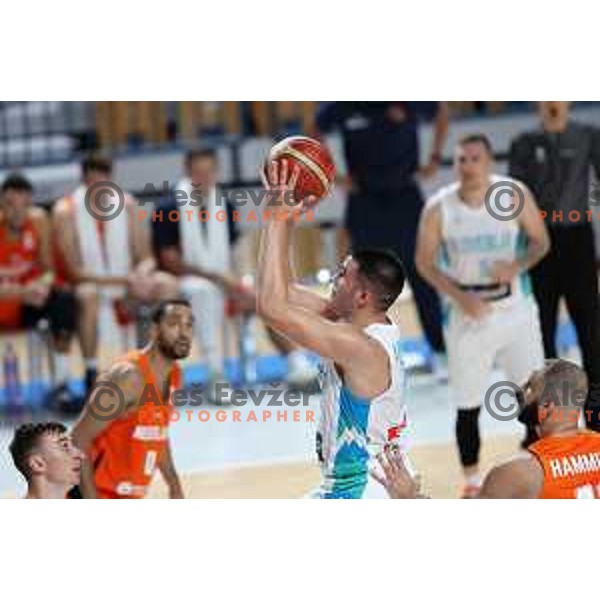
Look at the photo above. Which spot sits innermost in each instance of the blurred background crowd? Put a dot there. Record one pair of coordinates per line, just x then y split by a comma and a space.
74, 291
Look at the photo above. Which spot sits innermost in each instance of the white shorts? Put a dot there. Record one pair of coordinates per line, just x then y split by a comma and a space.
509, 338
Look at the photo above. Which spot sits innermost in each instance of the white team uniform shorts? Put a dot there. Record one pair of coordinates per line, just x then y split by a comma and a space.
509, 338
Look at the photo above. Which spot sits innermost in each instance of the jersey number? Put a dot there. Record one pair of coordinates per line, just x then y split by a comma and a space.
150, 462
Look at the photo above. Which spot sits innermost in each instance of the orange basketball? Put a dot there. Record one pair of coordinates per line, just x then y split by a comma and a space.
317, 170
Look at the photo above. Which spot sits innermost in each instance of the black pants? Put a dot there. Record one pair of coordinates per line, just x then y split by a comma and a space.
390, 220
60, 309
569, 271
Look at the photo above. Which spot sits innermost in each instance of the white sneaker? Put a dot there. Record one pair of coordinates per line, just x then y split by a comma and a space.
301, 371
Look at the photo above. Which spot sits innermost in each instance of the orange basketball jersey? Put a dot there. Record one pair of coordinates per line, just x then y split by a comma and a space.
18, 264
125, 455
571, 465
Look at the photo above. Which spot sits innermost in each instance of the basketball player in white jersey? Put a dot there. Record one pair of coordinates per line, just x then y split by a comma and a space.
363, 381
479, 264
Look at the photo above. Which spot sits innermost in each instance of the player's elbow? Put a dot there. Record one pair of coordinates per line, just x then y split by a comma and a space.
268, 309
265, 309
423, 266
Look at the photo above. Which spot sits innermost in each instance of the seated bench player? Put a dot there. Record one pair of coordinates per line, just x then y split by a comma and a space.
28, 291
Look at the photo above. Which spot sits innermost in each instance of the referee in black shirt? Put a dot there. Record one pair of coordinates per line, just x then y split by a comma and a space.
381, 146
554, 161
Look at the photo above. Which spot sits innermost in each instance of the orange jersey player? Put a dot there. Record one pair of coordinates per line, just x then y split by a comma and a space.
563, 463
570, 464
124, 427
19, 263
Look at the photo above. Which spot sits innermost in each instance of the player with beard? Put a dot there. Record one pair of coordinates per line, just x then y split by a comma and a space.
563, 464
124, 427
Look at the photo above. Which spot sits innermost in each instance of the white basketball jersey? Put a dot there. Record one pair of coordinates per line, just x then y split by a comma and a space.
352, 429
473, 240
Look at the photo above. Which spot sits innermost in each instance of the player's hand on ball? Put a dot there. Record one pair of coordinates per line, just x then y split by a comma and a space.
395, 478
280, 177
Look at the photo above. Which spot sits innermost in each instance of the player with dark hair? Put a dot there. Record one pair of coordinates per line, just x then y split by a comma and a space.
96, 163
200, 254
47, 458
363, 379
124, 427
565, 461
104, 252
29, 292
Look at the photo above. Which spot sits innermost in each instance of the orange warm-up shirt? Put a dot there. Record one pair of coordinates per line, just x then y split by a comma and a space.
571, 465
18, 264
126, 453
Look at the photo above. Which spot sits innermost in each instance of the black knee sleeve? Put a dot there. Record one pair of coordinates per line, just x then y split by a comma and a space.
467, 436
62, 312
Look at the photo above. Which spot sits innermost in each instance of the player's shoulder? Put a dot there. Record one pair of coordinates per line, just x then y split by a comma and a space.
131, 202
505, 182
123, 372
362, 339
38, 215
502, 178
523, 474
523, 463
384, 332
443, 194
63, 207
381, 337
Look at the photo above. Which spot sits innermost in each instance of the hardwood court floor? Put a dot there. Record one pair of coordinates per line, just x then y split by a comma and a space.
437, 463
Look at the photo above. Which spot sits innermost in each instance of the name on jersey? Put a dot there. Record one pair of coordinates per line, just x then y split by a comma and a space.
577, 464
150, 433
483, 242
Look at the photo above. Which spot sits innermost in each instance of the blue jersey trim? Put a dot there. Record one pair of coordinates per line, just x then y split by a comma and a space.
350, 470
